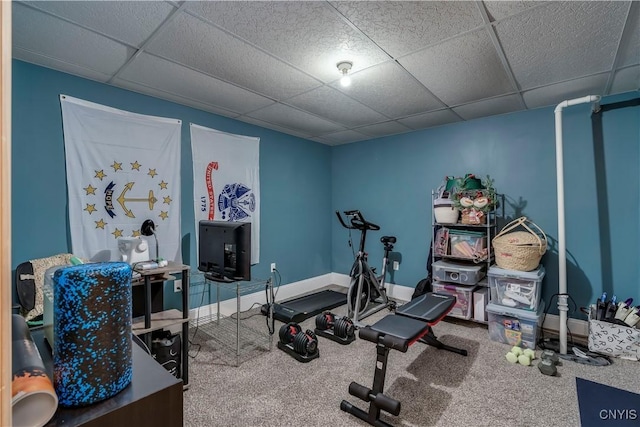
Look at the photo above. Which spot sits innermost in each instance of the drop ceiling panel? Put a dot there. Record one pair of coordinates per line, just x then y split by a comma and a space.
417, 64
384, 129
404, 26
272, 126
627, 79
308, 35
555, 94
562, 40
334, 105
131, 22
630, 47
434, 118
60, 40
498, 10
65, 67
343, 137
192, 42
490, 107
291, 118
390, 90
475, 67
173, 78
136, 87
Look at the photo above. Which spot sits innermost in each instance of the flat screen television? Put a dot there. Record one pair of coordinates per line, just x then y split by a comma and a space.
224, 250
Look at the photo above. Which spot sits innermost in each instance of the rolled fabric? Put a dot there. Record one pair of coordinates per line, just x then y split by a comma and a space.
33, 400
92, 354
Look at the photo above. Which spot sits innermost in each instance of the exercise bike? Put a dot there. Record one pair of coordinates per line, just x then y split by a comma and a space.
365, 287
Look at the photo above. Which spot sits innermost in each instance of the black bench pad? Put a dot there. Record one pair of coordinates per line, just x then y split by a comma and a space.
430, 307
395, 332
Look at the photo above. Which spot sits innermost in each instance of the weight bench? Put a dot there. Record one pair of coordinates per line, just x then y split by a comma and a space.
412, 322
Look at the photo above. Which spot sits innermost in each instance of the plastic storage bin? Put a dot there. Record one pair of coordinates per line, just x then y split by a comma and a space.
514, 326
457, 272
464, 298
468, 244
516, 289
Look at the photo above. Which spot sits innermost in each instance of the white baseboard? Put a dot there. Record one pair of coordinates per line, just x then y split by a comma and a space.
291, 290
284, 292
576, 326
395, 291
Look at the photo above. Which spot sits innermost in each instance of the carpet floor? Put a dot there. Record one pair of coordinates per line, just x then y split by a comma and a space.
435, 387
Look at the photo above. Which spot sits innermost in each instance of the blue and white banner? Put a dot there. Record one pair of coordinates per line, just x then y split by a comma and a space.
226, 179
122, 169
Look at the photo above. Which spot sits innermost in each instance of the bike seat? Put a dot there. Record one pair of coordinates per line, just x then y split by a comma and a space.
388, 239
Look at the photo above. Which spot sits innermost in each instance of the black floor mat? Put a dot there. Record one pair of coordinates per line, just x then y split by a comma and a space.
299, 309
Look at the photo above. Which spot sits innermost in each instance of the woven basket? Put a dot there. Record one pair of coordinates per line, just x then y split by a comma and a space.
519, 250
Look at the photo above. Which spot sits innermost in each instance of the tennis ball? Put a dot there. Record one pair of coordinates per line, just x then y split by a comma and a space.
524, 360
512, 357
529, 353
516, 350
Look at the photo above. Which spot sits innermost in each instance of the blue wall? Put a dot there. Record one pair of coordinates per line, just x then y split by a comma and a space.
390, 181
295, 177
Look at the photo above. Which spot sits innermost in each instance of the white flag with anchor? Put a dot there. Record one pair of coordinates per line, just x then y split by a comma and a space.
122, 168
226, 179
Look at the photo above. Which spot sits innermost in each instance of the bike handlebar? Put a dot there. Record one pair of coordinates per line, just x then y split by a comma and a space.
357, 221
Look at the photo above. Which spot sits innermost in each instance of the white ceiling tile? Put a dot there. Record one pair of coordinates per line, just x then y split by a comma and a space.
272, 126
475, 67
629, 53
308, 35
129, 21
556, 93
321, 140
146, 90
431, 119
383, 129
390, 90
334, 105
170, 77
58, 39
192, 42
490, 107
288, 117
562, 40
65, 67
626, 80
343, 137
400, 27
235, 58
501, 9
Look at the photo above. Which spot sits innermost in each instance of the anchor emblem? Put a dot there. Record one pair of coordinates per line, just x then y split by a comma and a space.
122, 199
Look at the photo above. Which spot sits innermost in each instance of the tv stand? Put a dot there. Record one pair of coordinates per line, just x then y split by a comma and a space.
226, 326
218, 278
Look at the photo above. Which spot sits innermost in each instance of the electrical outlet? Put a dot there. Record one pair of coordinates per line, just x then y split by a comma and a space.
273, 267
177, 285
396, 265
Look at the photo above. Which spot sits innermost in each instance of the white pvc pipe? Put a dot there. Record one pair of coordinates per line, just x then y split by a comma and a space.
563, 307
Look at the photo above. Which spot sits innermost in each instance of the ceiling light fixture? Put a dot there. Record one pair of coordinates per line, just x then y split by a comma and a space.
344, 67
